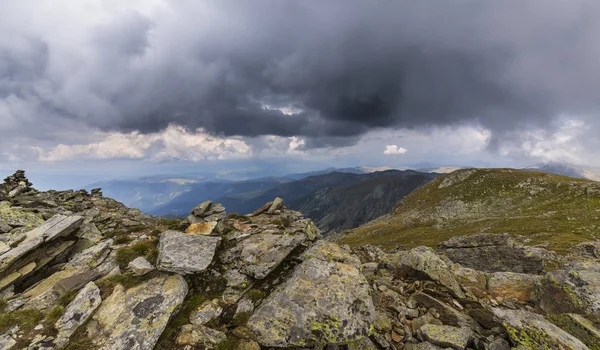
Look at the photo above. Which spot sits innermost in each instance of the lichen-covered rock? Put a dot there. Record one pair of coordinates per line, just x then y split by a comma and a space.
492, 253
201, 228
184, 253
206, 312
473, 282
447, 336
135, 318
262, 253
201, 208
140, 266
447, 314
77, 313
200, 336
580, 327
424, 262
575, 289
533, 331
518, 287
323, 302
7, 342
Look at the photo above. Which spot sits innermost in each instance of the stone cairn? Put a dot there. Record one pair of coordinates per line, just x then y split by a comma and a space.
15, 185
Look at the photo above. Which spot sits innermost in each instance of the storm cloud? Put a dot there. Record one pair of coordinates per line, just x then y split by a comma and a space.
329, 71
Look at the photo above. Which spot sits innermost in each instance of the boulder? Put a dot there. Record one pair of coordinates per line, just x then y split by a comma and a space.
7, 342
140, 266
201, 208
517, 287
533, 331
135, 318
262, 253
77, 313
580, 327
323, 302
492, 253
447, 336
275, 206
575, 289
202, 228
423, 262
447, 314
184, 253
473, 282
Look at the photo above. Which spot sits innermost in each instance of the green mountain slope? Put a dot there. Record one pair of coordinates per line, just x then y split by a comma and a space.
552, 210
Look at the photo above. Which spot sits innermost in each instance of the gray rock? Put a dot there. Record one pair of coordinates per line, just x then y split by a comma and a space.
448, 314
492, 253
185, 253
200, 336
528, 329
323, 302
140, 266
578, 326
262, 253
421, 346
206, 312
77, 312
518, 287
447, 336
575, 289
135, 318
58, 226
201, 208
7, 342
424, 262
276, 205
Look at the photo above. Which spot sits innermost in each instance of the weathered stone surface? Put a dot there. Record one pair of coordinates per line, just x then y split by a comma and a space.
202, 228
200, 336
135, 318
473, 282
184, 253
140, 266
206, 312
448, 314
421, 346
580, 327
77, 312
492, 253
322, 302
56, 227
532, 331
262, 253
7, 342
424, 262
447, 336
201, 208
575, 289
515, 286
91, 256
276, 205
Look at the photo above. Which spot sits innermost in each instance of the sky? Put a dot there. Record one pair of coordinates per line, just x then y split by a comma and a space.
99, 89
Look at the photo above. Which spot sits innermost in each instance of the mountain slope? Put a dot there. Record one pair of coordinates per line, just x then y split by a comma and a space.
553, 210
344, 207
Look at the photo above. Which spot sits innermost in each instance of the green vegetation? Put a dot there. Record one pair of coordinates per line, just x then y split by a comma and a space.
108, 284
189, 305
122, 239
53, 316
26, 319
67, 298
556, 211
238, 217
145, 248
3, 305
241, 318
256, 295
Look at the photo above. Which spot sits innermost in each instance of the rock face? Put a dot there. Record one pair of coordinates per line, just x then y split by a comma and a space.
78, 312
135, 318
185, 253
325, 301
492, 253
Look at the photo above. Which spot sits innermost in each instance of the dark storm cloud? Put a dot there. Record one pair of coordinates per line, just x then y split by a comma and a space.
346, 66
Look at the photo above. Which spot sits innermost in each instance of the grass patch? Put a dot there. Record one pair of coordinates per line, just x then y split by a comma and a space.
122, 239
228, 344
241, 318
256, 295
171, 224
183, 317
238, 217
276, 222
145, 248
67, 298
3, 305
26, 319
83, 343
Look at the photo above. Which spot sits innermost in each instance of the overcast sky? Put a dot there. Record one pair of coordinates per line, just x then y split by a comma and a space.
114, 87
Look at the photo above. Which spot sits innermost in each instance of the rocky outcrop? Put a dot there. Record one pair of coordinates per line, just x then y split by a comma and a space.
494, 253
185, 253
325, 301
86, 278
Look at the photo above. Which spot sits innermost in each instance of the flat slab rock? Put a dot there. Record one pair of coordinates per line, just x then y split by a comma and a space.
534, 331
134, 319
325, 301
185, 253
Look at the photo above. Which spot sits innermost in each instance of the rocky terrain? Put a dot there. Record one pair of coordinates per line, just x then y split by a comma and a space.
82, 271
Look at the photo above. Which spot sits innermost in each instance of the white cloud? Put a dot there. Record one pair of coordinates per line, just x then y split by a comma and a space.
394, 150
175, 142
